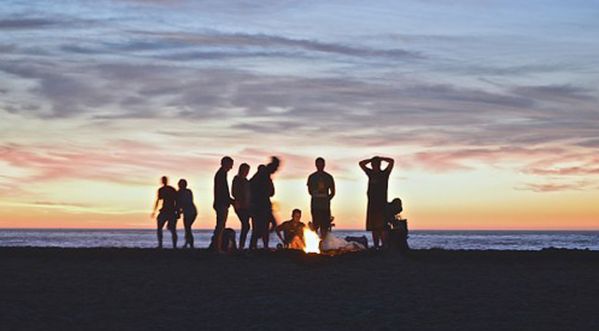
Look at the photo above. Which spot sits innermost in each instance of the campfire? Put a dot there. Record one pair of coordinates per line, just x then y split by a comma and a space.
311, 241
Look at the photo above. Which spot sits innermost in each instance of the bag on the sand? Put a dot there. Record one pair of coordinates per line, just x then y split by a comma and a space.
332, 243
360, 240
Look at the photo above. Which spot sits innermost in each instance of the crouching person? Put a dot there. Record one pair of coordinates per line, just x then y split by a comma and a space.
293, 231
395, 236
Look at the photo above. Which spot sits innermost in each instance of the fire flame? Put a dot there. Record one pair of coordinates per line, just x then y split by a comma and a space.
311, 241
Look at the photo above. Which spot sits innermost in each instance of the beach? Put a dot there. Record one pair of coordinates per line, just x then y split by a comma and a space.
135, 289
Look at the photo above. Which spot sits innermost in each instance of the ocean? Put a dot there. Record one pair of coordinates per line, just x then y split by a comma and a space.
451, 240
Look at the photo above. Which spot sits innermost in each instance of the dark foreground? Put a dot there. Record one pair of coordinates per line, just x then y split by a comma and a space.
135, 289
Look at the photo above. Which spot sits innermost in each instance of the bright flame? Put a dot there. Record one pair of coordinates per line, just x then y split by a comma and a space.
311, 241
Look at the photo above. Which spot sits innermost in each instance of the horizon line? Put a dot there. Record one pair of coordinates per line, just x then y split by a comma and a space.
340, 229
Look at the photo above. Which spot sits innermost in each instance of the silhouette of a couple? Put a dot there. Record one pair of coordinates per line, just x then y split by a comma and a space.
175, 204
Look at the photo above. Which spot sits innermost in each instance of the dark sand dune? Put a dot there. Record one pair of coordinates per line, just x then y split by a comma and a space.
135, 289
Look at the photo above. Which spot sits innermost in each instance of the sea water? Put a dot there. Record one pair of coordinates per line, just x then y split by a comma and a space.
452, 240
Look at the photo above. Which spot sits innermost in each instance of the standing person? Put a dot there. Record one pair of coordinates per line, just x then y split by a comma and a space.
241, 194
258, 204
222, 200
271, 168
378, 182
262, 189
321, 187
168, 211
187, 208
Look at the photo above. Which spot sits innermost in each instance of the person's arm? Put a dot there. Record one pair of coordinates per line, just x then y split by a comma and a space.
363, 164
155, 206
278, 231
271, 187
236, 188
273, 224
309, 186
390, 163
332, 188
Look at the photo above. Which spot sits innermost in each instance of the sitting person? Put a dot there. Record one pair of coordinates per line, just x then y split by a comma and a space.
228, 243
392, 210
293, 231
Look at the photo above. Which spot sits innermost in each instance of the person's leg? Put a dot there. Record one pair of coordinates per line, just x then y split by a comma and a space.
254, 234
160, 220
315, 219
324, 221
221, 219
172, 226
187, 227
376, 238
266, 234
244, 218
192, 219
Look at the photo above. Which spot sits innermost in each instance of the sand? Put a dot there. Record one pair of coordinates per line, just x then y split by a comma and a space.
146, 289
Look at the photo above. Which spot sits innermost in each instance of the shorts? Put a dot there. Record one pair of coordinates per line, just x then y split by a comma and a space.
167, 217
321, 218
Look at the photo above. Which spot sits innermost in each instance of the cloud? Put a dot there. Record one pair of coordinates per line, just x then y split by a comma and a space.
556, 187
566, 171
558, 93
26, 23
120, 161
458, 159
213, 45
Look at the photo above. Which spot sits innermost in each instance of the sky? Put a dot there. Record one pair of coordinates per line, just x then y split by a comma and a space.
489, 108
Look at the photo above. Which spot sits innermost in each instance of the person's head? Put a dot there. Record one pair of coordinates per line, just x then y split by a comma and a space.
396, 206
226, 163
164, 180
182, 184
319, 164
244, 170
296, 215
376, 163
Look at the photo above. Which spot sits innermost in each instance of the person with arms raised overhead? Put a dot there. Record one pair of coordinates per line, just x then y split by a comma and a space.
378, 182
222, 200
262, 189
241, 194
187, 208
321, 187
168, 211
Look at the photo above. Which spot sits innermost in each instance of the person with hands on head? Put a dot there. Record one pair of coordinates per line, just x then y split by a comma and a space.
378, 183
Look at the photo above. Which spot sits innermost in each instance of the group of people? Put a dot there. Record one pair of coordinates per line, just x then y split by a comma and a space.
251, 201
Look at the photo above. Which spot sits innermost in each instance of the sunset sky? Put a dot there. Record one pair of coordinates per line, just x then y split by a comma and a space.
490, 108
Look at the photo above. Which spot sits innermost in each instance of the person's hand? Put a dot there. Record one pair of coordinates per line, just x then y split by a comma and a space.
153, 214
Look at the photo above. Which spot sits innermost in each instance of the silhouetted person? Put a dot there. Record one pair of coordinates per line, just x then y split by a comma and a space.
321, 187
262, 188
378, 182
259, 204
396, 233
293, 231
222, 200
187, 208
241, 194
168, 211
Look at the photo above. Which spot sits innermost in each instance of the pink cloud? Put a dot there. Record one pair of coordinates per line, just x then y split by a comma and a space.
455, 159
